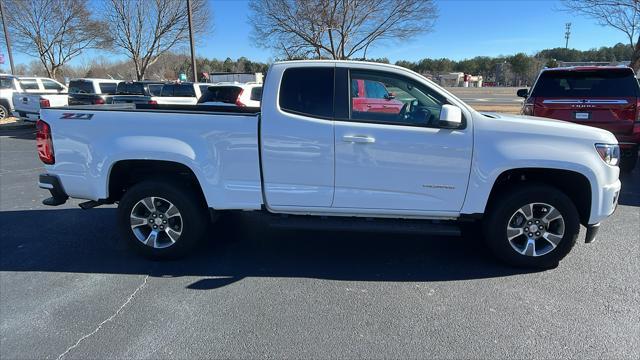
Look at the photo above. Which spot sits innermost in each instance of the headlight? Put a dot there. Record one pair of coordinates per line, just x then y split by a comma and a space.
609, 153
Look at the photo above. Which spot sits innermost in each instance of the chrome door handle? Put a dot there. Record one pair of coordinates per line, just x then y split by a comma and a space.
361, 139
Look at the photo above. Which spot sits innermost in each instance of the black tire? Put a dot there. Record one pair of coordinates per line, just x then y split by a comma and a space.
505, 206
193, 210
4, 112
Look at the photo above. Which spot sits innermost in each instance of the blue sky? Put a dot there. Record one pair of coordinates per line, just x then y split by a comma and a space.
464, 29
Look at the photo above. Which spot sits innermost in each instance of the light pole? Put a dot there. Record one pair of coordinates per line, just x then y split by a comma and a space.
193, 51
6, 38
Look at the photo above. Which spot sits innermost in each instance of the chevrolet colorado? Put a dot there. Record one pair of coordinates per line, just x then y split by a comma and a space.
312, 155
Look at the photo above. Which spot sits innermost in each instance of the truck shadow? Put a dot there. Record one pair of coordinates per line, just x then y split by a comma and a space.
77, 241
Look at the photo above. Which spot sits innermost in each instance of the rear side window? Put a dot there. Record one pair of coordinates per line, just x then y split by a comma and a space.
108, 88
80, 87
599, 83
28, 84
256, 93
130, 89
308, 91
224, 94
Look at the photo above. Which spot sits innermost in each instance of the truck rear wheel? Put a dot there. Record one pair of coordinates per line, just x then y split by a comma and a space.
162, 219
532, 226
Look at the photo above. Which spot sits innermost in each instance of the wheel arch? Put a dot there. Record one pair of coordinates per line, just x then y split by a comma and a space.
574, 184
126, 173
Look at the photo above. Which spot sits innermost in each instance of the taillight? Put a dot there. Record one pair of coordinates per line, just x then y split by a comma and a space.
638, 112
98, 101
44, 143
152, 102
44, 103
238, 102
527, 108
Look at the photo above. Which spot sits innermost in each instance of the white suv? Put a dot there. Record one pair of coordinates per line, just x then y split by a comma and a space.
232, 94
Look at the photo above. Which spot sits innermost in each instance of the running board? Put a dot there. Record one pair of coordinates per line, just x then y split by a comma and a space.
341, 223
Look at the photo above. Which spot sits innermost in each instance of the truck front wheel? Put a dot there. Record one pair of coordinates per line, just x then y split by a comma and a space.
162, 219
531, 225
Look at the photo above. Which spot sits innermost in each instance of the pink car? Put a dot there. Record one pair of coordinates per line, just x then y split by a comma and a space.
373, 96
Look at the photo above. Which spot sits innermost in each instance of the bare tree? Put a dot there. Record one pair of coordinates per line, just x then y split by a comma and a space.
338, 29
55, 31
623, 15
145, 29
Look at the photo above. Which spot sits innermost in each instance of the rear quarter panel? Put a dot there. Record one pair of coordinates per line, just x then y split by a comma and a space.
221, 150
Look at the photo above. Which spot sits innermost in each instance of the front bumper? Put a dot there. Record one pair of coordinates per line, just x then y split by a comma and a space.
52, 183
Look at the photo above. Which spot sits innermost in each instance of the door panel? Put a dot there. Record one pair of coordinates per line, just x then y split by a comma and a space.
401, 167
400, 160
297, 138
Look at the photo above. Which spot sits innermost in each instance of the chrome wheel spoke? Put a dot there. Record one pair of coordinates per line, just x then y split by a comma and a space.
152, 239
149, 203
513, 233
552, 239
172, 211
173, 235
530, 248
551, 215
137, 221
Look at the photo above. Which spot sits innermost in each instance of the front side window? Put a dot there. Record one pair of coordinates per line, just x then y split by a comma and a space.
393, 99
308, 91
52, 85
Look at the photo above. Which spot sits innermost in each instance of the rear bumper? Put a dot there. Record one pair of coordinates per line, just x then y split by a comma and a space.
27, 115
52, 183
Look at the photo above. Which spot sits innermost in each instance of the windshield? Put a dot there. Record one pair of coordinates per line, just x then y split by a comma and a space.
80, 87
597, 83
224, 94
134, 88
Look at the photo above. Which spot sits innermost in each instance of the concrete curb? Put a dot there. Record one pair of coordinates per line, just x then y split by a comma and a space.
18, 125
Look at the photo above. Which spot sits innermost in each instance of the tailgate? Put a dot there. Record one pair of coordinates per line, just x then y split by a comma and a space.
613, 114
27, 103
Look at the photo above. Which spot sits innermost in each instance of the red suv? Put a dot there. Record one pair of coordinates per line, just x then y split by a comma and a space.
607, 97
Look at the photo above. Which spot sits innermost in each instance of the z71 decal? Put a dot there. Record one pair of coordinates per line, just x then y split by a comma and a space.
76, 116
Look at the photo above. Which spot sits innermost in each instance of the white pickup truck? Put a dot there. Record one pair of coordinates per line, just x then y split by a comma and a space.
315, 155
36, 93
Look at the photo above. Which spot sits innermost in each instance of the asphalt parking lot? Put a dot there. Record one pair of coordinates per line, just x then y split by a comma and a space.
70, 288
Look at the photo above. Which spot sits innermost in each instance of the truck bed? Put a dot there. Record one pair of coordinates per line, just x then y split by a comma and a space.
220, 148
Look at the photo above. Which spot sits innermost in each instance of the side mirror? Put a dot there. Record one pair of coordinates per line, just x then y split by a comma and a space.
523, 93
390, 96
450, 117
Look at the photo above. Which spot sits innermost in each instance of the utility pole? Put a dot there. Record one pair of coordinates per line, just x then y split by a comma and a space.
6, 38
193, 51
567, 33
